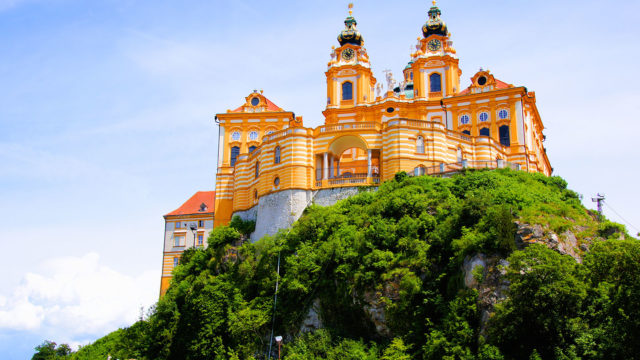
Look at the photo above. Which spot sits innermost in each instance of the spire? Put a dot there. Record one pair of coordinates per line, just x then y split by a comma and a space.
350, 35
434, 25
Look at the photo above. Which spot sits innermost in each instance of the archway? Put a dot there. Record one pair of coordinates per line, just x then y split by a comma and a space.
348, 157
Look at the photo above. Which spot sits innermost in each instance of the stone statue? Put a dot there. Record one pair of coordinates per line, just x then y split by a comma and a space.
391, 82
403, 85
379, 89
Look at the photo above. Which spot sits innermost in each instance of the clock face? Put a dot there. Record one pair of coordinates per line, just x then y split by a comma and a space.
434, 45
348, 54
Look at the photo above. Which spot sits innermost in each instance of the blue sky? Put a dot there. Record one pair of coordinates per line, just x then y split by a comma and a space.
107, 106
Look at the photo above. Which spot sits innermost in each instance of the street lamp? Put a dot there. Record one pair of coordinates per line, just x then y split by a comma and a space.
193, 227
279, 341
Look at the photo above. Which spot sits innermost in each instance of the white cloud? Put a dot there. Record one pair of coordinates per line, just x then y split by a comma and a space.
73, 298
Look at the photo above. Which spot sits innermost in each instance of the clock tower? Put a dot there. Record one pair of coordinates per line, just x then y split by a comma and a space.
350, 82
435, 63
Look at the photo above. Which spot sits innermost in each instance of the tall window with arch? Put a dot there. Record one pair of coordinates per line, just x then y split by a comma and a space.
420, 145
459, 155
235, 151
257, 169
347, 90
435, 82
276, 155
251, 148
504, 135
485, 132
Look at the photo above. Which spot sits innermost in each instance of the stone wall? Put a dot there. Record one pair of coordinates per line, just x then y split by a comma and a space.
279, 210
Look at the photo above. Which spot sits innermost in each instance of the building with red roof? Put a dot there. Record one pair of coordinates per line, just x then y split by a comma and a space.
186, 227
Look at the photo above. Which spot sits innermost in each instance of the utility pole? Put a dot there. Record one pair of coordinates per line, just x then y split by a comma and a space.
599, 199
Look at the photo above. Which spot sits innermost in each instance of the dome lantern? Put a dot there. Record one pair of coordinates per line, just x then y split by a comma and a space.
435, 25
350, 35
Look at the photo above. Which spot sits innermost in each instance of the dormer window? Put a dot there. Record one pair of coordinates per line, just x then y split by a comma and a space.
347, 90
482, 80
255, 101
203, 208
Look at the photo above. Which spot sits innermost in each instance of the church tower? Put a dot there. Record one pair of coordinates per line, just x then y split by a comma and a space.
350, 82
435, 63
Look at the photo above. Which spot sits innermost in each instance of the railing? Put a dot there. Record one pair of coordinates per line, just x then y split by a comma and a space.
443, 168
459, 135
347, 126
346, 175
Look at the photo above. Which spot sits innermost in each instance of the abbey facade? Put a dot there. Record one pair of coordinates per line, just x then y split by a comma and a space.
270, 166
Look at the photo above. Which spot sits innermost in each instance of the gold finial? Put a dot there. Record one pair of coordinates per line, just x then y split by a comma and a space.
434, 2
350, 9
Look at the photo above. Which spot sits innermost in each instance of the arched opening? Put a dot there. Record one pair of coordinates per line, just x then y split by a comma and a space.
348, 157
504, 135
347, 90
235, 151
251, 149
435, 82
420, 145
485, 132
276, 155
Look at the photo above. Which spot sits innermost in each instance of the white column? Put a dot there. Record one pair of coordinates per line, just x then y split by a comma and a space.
369, 163
331, 175
338, 167
325, 167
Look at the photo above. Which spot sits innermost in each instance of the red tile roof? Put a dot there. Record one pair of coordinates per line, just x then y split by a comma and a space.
499, 85
193, 205
270, 107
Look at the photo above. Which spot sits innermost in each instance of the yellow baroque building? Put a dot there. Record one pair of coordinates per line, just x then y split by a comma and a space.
270, 167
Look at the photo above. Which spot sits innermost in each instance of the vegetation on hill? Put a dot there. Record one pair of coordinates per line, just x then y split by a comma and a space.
379, 276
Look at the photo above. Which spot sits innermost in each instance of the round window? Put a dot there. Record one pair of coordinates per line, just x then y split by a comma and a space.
484, 116
390, 109
276, 181
503, 114
482, 80
253, 135
235, 136
255, 101
464, 119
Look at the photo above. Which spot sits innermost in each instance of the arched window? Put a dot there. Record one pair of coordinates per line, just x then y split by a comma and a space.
459, 155
483, 116
235, 136
435, 81
485, 132
235, 151
503, 114
257, 169
418, 171
253, 136
276, 155
420, 145
504, 135
251, 148
464, 119
347, 90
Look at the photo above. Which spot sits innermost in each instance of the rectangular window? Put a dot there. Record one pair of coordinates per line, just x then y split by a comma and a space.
178, 225
178, 240
200, 239
200, 223
176, 261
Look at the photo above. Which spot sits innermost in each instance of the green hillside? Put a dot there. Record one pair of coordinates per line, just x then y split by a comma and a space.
414, 270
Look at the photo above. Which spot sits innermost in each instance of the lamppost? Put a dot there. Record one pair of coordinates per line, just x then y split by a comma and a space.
279, 341
194, 227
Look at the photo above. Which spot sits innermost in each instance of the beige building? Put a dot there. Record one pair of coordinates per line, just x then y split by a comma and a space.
186, 227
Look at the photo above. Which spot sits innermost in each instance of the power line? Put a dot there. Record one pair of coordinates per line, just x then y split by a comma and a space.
620, 216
